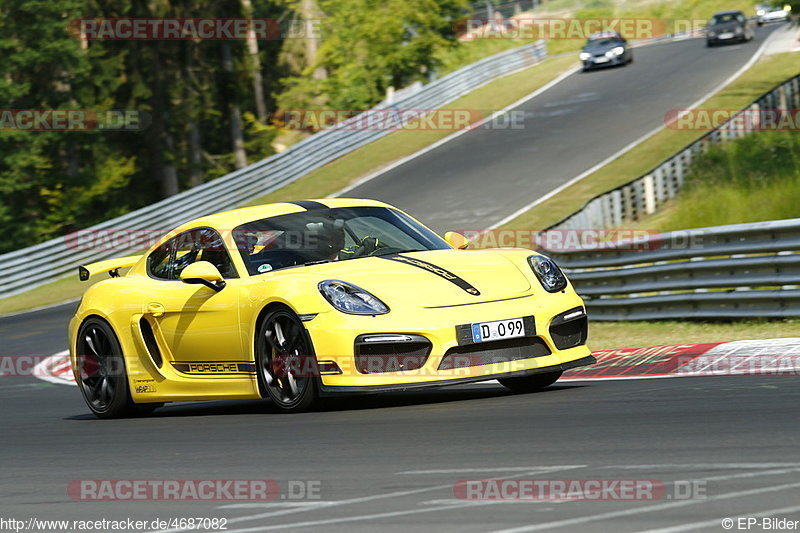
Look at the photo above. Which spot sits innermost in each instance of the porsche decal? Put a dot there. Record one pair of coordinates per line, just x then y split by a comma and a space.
214, 367
439, 271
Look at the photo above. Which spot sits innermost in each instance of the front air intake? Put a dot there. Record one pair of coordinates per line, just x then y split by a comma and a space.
380, 353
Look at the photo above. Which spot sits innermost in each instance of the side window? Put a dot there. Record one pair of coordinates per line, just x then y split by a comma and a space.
169, 259
158, 263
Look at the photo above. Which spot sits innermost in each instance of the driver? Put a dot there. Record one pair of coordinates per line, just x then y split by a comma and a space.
329, 239
330, 243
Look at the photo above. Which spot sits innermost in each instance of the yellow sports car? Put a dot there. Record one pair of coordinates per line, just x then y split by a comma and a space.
297, 300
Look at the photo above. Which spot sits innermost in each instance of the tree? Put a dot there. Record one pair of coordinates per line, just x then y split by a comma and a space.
370, 45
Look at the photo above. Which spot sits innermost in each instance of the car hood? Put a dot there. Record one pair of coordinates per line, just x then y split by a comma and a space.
431, 278
601, 48
725, 26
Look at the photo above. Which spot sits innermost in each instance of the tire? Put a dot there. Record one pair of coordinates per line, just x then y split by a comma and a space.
533, 383
709, 44
102, 377
282, 346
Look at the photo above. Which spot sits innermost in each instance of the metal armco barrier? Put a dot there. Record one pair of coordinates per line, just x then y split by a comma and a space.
644, 195
736, 271
31, 267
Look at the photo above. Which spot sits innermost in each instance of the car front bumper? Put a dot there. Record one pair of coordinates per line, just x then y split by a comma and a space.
334, 338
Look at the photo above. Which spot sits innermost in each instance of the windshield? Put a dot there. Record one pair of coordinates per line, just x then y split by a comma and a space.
336, 234
597, 43
722, 19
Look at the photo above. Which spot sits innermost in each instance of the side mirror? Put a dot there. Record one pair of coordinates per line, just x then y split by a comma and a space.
456, 240
203, 273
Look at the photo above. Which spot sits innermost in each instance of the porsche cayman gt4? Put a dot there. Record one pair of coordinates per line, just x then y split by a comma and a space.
299, 300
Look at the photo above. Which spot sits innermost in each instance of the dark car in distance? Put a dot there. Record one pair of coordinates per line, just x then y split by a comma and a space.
728, 26
605, 49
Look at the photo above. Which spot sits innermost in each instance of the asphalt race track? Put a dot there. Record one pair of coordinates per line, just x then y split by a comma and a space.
481, 177
390, 462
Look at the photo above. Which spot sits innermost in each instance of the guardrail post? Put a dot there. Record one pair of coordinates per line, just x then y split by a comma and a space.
649, 194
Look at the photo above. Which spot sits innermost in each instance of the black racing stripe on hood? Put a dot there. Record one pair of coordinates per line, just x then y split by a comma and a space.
309, 205
437, 270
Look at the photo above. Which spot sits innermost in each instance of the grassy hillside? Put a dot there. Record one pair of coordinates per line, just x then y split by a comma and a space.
752, 179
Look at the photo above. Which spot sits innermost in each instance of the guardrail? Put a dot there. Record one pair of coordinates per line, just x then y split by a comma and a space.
27, 268
645, 194
736, 271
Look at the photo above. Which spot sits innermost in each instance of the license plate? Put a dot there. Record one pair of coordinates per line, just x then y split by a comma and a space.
499, 329
725, 35
601, 60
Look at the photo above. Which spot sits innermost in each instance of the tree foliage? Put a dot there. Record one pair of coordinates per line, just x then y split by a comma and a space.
202, 112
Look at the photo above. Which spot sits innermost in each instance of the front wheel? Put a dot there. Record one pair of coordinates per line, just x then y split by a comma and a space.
285, 362
533, 383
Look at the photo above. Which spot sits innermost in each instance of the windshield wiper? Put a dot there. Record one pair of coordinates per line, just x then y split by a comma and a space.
319, 262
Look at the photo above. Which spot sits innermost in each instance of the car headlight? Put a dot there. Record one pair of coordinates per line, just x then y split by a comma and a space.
550, 276
616, 51
350, 299
584, 56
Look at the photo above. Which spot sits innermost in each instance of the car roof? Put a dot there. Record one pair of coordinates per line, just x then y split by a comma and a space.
604, 35
731, 12
229, 220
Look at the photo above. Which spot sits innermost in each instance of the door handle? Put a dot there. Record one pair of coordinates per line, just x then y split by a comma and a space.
155, 309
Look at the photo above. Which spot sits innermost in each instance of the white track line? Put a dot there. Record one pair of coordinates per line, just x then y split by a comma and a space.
647, 509
457, 134
635, 143
549, 525
718, 521
364, 499
529, 469
701, 466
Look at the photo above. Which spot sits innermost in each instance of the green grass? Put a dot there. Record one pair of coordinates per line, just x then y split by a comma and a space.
763, 76
61, 290
753, 179
609, 335
669, 11
498, 94
372, 157
344, 170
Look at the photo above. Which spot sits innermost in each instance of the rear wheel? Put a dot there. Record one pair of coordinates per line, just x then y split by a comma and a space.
532, 383
285, 361
101, 371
